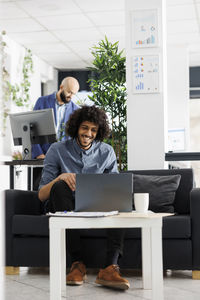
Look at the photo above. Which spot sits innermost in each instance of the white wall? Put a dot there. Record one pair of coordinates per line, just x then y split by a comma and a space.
146, 113
51, 85
178, 89
42, 73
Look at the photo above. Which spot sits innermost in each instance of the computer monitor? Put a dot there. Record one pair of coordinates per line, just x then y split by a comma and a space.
33, 127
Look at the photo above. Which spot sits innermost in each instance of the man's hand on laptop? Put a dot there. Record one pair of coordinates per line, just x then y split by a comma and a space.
70, 179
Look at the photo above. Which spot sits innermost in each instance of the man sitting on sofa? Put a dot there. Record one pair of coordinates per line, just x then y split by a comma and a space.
84, 153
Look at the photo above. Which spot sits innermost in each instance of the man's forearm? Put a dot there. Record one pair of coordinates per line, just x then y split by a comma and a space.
69, 178
44, 192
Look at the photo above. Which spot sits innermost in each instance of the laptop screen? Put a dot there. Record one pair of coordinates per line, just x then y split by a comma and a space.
104, 192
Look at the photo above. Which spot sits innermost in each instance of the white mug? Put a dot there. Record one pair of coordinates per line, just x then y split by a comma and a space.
141, 201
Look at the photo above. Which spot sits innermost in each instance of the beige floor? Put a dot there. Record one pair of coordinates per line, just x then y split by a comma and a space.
33, 283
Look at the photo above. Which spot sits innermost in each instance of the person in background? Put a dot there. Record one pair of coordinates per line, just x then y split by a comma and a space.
85, 153
62, 106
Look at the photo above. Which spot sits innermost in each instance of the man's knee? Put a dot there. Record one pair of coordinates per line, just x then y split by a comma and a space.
60, 190
60, 186
60, 183
61, 197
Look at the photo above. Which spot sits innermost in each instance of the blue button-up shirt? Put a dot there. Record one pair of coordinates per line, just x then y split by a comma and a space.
60, 116
68, 157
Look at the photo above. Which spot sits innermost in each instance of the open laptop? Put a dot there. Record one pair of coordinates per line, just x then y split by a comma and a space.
104, 192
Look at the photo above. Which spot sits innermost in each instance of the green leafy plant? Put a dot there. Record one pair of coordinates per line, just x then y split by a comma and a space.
109, 92
5, 76
19, 93
17, 155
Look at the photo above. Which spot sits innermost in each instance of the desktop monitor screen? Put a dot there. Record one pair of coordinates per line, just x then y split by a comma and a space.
33, 127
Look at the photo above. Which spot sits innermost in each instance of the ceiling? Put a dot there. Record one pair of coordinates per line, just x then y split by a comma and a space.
62, 32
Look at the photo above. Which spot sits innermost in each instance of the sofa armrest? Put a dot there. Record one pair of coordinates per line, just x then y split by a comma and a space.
18, 202
195, 223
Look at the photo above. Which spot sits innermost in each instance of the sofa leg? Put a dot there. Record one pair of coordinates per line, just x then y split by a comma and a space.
196, 275
12, 270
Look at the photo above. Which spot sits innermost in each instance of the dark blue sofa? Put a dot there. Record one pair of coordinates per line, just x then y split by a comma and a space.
27, 233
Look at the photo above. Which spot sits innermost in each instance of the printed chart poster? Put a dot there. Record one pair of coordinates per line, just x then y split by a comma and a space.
144, 28
146, 74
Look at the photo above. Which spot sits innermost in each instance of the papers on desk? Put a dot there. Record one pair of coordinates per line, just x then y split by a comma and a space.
83, 214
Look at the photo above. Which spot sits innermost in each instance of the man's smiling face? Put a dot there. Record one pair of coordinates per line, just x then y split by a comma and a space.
87, 132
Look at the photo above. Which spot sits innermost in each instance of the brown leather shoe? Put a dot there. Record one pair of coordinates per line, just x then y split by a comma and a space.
111, 277
77, 274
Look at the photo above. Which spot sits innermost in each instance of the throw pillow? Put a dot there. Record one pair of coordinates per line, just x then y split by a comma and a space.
161, 189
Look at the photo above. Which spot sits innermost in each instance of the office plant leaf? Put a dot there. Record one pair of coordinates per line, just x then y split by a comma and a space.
108, 85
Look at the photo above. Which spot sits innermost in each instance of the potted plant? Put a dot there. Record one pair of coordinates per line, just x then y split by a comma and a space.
108, 86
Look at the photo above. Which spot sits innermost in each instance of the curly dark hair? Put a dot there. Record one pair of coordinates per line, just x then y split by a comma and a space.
91, 114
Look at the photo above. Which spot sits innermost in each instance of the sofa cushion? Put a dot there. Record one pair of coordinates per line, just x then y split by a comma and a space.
174, 227
161, 190
182, 198
30, 225
178, 226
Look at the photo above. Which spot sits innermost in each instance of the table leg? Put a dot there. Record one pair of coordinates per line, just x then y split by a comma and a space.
30, 178
55, 263
63, 261
146, 259
157, 263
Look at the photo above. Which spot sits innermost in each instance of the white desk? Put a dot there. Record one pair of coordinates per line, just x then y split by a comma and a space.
30, 164
152, 266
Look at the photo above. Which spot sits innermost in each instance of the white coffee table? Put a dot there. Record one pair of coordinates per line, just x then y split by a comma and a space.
152, 266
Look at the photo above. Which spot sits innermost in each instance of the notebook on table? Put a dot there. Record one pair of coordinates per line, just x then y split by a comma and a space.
104, 192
